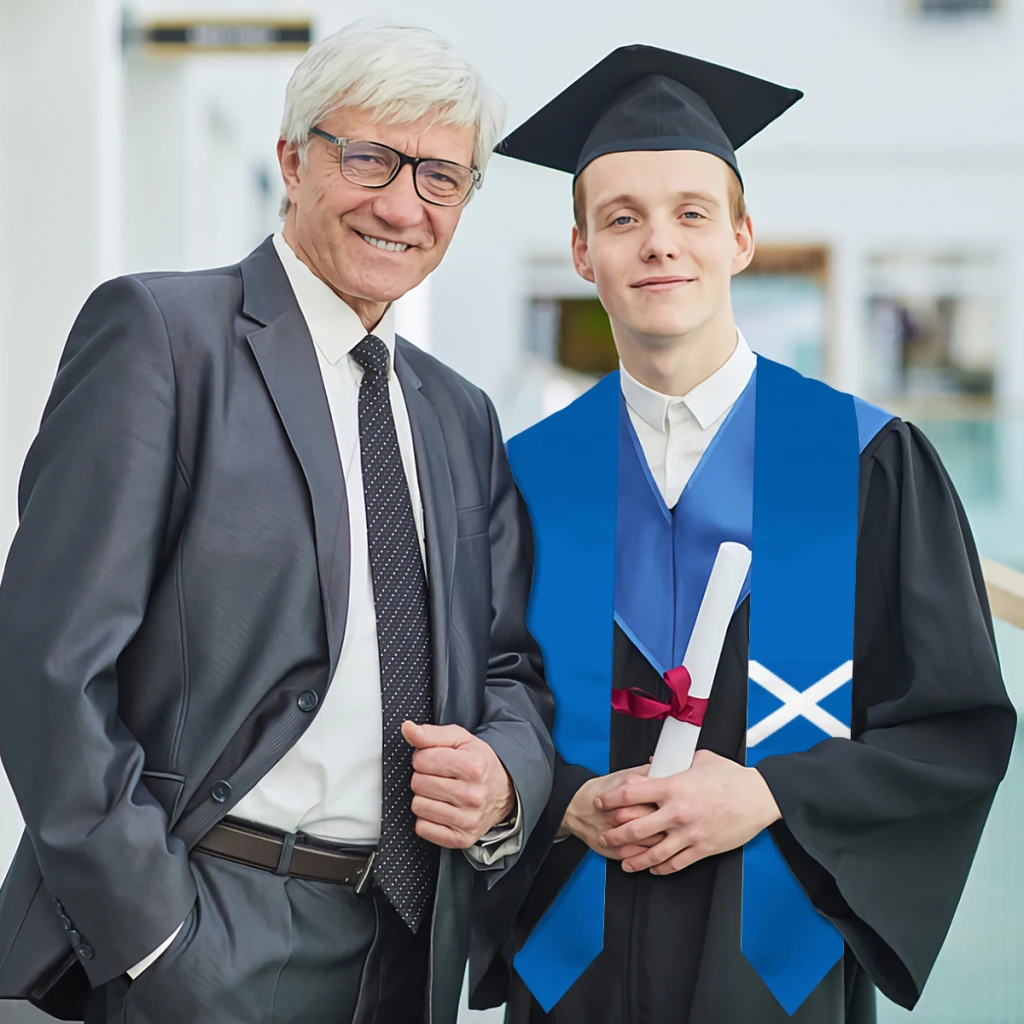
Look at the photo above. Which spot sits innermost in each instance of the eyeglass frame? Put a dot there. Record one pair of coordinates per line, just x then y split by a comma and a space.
403, 159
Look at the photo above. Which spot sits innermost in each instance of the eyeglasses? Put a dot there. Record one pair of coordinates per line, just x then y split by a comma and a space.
374, 165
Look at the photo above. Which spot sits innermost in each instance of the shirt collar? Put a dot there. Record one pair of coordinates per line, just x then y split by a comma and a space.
708, 401
334, 325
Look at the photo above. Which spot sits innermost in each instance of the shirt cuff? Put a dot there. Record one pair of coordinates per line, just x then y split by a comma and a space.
134, 972
499, 842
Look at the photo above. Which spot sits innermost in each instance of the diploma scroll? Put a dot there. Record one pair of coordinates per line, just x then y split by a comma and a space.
678, 740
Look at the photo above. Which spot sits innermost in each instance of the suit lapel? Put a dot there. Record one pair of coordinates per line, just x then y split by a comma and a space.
439, 515
287, 360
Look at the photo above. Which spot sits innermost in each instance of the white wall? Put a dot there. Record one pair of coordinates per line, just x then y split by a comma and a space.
197, 132
9, 820
6, 88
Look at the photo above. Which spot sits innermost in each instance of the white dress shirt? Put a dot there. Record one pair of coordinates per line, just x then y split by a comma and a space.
675, 432
328, 785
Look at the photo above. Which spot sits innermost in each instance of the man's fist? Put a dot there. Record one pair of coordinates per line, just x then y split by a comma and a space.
461, 789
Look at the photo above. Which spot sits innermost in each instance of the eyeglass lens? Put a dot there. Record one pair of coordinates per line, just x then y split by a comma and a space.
440, 181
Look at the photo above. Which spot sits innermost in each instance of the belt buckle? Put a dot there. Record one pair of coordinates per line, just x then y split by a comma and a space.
366, 872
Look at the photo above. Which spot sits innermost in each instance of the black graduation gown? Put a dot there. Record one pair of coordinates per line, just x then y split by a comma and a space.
880, 832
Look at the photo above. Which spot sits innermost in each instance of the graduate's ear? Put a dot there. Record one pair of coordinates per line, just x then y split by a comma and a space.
744, 246
581, 256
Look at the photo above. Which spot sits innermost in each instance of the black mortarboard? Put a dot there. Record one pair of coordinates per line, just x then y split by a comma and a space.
644, 98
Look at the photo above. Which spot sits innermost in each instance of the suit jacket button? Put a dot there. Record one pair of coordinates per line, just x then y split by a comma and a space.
220, 792
76, 939
308, 700
85, 951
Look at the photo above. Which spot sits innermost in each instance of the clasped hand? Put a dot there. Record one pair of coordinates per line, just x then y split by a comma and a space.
664, 825
461, 789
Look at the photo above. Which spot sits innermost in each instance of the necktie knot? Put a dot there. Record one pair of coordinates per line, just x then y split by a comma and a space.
372, 355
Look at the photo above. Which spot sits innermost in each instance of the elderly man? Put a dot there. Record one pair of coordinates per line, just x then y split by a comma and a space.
268, 699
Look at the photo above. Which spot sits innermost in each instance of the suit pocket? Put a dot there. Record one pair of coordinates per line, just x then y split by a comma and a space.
166, 960
473, 521
167, 788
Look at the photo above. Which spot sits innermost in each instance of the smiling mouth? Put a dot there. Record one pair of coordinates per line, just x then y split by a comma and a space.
657, 284
383, 243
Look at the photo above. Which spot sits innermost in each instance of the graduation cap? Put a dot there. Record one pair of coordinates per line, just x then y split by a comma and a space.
645, 98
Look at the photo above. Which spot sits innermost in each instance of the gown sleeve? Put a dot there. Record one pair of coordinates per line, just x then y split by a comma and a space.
881, 831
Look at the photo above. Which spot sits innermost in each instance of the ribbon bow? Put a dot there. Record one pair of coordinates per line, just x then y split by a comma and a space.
638, 703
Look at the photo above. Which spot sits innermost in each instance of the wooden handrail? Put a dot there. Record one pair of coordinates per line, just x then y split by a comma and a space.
1005, 591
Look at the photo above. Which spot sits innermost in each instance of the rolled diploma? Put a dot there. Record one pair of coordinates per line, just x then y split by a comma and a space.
678, 740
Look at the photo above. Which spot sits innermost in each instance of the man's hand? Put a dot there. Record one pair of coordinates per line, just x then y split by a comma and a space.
714, 806
461, 788
584, 820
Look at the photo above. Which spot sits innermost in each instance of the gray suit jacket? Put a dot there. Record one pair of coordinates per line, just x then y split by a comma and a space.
180, 576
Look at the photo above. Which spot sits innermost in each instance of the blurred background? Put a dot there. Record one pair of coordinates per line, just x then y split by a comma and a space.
887, 204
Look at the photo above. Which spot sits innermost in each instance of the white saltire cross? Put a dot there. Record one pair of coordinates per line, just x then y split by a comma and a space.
796, 704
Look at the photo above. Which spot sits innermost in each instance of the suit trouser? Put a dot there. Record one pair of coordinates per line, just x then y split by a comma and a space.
262, 948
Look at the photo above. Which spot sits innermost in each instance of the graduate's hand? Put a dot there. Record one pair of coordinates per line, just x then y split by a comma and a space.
714, 806
461, 789
583, 819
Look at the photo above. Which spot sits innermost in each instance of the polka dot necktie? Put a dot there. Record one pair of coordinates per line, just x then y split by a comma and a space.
406, 866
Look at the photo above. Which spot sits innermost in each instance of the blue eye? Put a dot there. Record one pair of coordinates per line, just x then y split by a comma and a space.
693, 214
623, 220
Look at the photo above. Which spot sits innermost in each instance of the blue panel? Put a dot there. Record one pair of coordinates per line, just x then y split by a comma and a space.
870, 420
806, 484
760, 704
567, 471
562, 945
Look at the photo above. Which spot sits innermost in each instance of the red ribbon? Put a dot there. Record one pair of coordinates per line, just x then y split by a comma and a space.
639, 704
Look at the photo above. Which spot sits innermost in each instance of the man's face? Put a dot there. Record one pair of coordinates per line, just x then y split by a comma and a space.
660, 243
332, 220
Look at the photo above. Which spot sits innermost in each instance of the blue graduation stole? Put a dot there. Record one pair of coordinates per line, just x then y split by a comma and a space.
589, 493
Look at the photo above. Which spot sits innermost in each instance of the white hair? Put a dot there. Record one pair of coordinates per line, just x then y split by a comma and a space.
396, 73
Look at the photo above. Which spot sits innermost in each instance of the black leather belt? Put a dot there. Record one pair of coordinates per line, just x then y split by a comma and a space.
286, 855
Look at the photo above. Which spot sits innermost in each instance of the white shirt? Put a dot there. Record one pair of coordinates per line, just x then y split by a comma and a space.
329, 783
674, 432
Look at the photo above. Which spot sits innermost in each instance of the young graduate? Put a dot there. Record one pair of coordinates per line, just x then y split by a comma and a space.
729, 892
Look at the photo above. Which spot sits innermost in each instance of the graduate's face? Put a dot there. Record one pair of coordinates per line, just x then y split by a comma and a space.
334, 224
660, 243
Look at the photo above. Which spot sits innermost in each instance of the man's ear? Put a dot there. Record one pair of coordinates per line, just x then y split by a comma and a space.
288, 158
581, 256
744, 246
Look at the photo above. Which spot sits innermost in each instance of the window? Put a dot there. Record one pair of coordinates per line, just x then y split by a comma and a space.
932, 326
